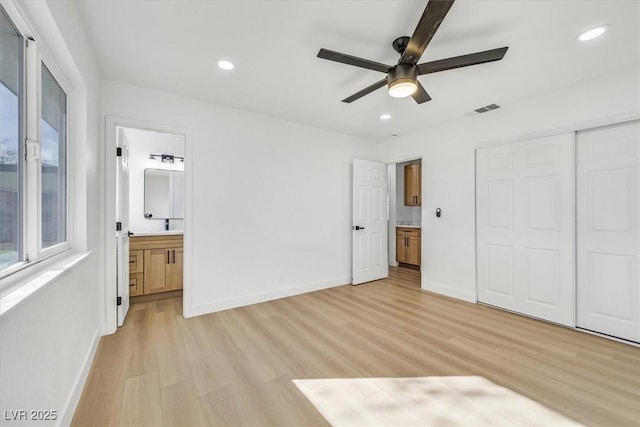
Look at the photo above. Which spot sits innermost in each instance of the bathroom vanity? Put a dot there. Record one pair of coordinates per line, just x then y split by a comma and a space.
155, 263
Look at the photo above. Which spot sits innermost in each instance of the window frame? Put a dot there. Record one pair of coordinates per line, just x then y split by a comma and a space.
20, 166
34, 56
59, 78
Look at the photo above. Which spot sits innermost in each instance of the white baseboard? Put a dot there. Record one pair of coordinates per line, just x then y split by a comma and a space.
213, 306
66, 414
449, 291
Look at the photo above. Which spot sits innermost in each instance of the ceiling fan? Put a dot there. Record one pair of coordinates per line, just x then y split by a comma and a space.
402, 78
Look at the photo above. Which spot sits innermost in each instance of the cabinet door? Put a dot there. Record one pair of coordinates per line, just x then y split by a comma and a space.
401, 248
136, 284
412, 184
136, 262
157, 264
413, 251
175, 277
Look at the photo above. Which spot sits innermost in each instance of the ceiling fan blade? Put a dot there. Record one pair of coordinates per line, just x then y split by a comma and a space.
462, 61
353, 60
420, 95
431, 19
367, 90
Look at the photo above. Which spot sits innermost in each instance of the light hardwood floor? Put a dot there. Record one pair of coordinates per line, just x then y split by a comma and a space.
236, 367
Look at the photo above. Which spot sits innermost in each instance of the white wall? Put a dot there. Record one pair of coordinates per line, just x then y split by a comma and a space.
141, 144
448, 174
47, 341
271, 199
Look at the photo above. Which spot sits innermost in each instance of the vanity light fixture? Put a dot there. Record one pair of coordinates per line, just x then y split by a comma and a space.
166, 158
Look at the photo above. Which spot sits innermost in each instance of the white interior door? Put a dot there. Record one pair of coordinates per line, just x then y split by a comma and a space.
122, 235
608, 244
369, 232
525, 222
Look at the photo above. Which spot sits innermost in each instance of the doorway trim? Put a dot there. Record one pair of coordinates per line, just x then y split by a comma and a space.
109, 316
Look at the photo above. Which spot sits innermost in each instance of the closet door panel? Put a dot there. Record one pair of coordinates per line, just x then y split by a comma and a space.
525, 227
608, 240
548, 228
495, 222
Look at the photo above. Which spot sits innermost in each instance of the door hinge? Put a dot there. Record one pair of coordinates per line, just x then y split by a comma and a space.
119, 301
118, 226
118, 151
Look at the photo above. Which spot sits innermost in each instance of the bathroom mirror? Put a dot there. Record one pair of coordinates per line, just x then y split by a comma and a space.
163, 194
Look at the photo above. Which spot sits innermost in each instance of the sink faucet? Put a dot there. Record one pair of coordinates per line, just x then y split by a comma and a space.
166, 224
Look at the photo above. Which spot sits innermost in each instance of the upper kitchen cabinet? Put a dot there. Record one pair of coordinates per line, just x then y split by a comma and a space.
413, 185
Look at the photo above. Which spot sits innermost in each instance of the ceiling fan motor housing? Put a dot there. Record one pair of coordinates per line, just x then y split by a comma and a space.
402, 73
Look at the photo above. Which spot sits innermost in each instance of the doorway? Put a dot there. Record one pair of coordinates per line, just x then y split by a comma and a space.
147, 198
405, 214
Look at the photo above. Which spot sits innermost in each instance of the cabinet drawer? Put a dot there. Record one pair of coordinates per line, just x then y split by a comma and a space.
408, 232
136, 262
136, 284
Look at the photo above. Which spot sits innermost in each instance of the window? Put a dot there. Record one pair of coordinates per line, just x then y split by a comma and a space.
11, 153
53, 161
33, 153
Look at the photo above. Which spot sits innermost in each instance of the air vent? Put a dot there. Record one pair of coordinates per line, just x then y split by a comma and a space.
486, 108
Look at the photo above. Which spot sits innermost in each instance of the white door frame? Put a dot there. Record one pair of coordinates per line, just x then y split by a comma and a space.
122, 234
110, 318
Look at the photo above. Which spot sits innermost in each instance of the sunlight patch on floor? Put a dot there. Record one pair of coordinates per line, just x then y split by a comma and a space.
425, 401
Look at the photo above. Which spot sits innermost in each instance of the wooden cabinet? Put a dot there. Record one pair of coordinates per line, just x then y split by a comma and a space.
136, 272
408, 245
413, 185
176, 270
160, 261
157, 270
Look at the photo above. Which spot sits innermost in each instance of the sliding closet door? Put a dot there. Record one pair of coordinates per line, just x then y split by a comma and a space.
608, 240
525, 222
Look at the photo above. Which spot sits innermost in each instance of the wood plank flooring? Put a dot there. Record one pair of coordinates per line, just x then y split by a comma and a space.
235, 367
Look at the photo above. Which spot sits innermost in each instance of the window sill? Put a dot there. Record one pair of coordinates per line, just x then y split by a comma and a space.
30, 281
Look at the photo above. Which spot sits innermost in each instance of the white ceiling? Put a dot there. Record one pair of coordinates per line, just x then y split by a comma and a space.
174, 46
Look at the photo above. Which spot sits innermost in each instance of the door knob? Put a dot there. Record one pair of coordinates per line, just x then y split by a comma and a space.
358, 227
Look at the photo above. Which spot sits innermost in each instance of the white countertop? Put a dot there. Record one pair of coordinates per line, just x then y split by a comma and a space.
406, 224
157, 233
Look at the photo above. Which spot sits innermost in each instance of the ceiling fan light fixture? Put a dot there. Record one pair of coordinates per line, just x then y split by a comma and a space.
401, 88
403, 80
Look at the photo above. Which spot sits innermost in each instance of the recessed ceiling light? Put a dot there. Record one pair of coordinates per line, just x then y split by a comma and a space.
225, 65
385, 116
592, 34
